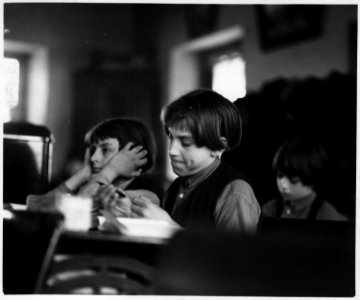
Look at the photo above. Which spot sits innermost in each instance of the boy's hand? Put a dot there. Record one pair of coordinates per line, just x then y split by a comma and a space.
114, 201
125, 163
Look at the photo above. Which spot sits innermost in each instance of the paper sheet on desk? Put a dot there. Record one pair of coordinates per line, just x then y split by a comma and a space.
16, 206
138, 227
110, 223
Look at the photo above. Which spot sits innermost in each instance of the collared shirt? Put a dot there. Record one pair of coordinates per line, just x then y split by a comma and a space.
300, 209
237, 207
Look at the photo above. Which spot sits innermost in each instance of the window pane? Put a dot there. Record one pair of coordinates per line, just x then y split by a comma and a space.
228, 76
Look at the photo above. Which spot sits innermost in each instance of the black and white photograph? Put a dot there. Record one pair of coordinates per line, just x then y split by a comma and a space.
185, 148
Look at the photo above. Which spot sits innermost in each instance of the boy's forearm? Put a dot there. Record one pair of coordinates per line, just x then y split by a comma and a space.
60, 189
78, 179
106, 176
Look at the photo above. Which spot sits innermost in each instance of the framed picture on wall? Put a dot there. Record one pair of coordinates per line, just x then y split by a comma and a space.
283, 25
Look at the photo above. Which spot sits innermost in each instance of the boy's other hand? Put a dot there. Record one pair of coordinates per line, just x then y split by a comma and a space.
114, 201
143, 207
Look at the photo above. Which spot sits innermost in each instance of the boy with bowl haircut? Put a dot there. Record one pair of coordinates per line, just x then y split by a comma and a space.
208, 194
300, 167
119, 152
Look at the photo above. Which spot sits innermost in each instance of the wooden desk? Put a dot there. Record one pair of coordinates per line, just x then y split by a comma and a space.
97, 260
29, 241
36, 246
96, 242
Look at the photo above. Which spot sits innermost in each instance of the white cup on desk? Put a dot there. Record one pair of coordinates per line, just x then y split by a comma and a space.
76, 211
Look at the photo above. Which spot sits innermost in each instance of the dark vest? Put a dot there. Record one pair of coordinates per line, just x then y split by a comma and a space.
197, 210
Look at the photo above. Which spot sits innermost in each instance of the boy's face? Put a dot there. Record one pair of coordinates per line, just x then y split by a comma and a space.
292, 188
101, 152
187, 158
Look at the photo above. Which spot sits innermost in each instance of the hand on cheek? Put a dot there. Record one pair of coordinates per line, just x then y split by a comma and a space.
126, 162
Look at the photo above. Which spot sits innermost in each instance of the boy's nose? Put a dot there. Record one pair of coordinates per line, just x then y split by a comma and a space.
95, 156
284, 182
173, 149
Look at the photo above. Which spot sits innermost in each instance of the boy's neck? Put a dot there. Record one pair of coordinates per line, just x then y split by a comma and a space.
122, 182
200, 176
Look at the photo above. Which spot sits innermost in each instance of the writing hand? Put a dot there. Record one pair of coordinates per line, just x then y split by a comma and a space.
114, 200
145, 208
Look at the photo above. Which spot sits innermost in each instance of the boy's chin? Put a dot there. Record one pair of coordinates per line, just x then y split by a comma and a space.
179, 172
184, 173
95, 170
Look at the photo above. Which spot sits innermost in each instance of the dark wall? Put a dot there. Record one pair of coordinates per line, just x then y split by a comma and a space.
72, 32
322, 108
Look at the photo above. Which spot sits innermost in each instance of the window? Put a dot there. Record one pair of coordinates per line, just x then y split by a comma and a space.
223, 70
32, 82
11, 75
228, 76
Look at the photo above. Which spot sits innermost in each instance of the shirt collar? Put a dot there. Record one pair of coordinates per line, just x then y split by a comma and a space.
300, 204
195, 179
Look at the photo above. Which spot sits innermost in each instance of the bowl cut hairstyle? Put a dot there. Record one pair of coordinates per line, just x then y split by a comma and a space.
208, 116
125, 130
304, 158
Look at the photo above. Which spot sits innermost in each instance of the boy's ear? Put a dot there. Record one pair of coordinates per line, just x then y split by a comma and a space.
216, 153
224, 142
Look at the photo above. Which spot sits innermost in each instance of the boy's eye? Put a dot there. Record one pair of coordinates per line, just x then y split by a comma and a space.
107, 150
279, 174
294, 180
92, 150
186, 142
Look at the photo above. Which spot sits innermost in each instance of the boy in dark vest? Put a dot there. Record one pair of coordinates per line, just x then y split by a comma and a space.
208, 194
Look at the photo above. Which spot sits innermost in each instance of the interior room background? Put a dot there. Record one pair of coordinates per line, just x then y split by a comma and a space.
86, 62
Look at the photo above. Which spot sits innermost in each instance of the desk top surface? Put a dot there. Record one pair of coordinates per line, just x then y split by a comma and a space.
111, 237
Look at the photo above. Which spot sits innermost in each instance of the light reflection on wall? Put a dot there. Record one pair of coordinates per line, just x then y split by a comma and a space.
11, 75
38, 86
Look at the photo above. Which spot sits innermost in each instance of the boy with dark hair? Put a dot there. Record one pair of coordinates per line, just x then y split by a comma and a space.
119, 151
208, 194
300, 167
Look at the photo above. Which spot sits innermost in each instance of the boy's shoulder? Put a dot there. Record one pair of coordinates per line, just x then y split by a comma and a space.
329, 212
239, 184
269, 208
